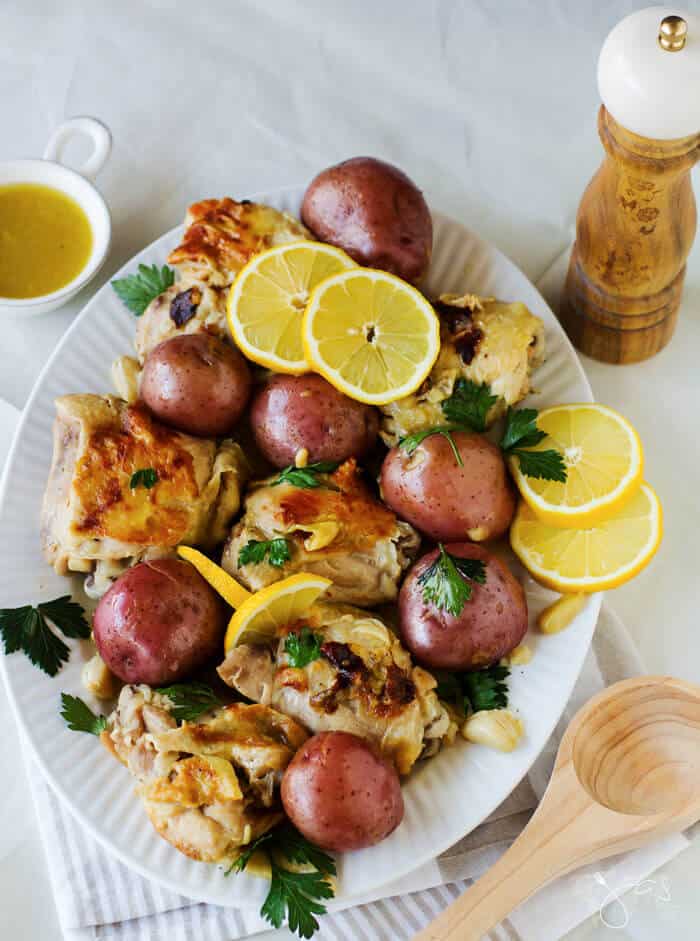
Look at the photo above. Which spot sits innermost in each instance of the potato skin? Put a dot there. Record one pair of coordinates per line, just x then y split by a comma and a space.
196, 383
158, 622
491, 624
341, 793
443, 500
294, 412
375, 213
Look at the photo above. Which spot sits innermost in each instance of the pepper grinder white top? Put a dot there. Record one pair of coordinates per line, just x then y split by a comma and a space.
649, 73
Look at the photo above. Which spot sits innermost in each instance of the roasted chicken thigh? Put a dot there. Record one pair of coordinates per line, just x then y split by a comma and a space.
211, 786
221, 235
481, 339
337, 530
178, 310
97, 512
362, 681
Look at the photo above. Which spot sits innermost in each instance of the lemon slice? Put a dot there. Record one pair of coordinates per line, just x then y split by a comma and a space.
586, 560
604, 463
371, 335
267, 300
229, 589
259, 619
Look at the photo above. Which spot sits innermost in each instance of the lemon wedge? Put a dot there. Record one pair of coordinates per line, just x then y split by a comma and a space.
260, 617
267, 300
371, 335
604, 463
595, 559
220, 580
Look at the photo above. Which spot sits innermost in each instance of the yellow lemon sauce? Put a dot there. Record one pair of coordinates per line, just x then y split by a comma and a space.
45, 240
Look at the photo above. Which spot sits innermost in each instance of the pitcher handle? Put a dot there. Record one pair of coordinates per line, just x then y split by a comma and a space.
90, 127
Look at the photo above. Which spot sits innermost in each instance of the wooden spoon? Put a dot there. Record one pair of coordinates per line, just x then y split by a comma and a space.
627, 772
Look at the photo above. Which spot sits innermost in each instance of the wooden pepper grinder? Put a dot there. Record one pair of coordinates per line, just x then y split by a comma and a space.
637, 218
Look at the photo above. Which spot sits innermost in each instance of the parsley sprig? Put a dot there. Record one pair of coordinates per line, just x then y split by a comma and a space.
411, 442
190, 700
138, 290
27, 628
144, 477
297, 895
521, 432
307, 478
255, 551
469, 404
445, 582
79, 716
302, 647
476, 690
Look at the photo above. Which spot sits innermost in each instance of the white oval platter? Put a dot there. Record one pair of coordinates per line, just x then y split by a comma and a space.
445, 797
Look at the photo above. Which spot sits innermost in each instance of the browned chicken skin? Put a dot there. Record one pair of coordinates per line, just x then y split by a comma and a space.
220, 236
211, 786
362, 682
338, 530
93, 516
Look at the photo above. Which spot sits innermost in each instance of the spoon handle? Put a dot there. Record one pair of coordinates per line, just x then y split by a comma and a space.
564, 833
517, 875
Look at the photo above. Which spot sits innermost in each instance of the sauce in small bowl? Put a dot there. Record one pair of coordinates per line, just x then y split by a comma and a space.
45, 240
55, 228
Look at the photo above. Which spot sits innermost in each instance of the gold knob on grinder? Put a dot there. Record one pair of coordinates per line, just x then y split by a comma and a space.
673, 33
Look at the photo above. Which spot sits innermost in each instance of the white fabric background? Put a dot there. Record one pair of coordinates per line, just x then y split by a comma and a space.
490, 105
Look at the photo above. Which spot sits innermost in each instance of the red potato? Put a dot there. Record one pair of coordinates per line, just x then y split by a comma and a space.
158, 622
375, 213
341, 793
294, 412
429, 489
491, 624
196, 383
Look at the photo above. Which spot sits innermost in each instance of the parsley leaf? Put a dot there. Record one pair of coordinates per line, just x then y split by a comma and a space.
297, 849
521, 431
190, 700
12, 625
44, 648
296, 895
302, 647
79, 717
546, 465
445, 582
67, 615
239, 864
306, 477
449, 688
138, 290
486, 689
411, 442
27, 629
145, 476
469, 404
254, 551
475, 690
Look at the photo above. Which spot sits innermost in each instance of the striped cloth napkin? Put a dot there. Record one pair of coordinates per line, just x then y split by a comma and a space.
99, 898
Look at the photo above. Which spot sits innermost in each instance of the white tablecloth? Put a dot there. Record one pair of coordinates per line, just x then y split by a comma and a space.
489, 105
